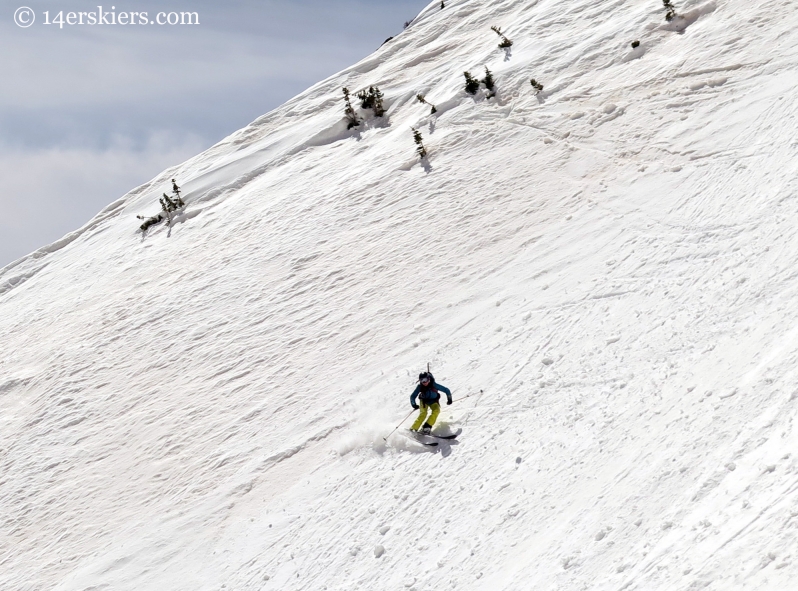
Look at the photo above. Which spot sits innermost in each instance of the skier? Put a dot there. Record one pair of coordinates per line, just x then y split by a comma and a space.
428, 396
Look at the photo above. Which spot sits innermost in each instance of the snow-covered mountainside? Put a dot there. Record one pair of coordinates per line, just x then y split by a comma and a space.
611, 261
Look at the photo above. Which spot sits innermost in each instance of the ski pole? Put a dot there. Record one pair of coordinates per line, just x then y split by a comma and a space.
475, 405
399, 425
470, 395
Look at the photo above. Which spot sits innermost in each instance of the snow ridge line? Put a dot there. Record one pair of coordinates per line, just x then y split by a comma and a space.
272, 460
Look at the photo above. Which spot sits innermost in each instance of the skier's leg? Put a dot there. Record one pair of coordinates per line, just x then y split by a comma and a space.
436, 410
422, 414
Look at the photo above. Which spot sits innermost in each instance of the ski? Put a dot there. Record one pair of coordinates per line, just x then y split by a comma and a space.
417, 437
425, 439
451, 436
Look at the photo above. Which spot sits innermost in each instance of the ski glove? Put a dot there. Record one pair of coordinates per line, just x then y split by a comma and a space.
449, 401
415, 406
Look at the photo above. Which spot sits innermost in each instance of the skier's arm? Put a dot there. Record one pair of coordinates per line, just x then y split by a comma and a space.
446, 391
413, 397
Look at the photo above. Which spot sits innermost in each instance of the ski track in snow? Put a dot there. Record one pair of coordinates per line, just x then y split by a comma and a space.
203, 407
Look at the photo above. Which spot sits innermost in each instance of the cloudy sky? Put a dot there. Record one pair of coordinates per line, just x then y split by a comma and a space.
88, 112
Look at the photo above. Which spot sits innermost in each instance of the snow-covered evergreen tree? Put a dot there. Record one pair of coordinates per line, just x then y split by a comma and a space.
671, 10
372, 99
505, 42
471, 83
420, 149
349, 111
488, 80
420, 98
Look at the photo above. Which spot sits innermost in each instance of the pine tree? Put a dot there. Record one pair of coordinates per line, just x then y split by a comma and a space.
505, 43
420, 149
671, 14
176, 193
488, 79
376, 99
442, 5
420, 98
366, 100
536, 85
372, 99
351, 116
471, 84
167, 204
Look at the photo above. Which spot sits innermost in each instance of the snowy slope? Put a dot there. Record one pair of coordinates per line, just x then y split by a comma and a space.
611, 261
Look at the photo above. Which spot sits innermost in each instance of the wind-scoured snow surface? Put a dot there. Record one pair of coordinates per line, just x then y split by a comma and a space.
613, 261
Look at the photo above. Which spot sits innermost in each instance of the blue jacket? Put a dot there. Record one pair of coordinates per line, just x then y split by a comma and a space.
430, 394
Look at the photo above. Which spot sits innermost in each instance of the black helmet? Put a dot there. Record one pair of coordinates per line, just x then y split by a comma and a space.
426, 375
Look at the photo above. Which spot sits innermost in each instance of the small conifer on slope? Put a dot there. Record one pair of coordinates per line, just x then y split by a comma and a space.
372, 99
420, 98
471, 83
168, 205
505, 43
488, 80
349, 111
176, 193
420, 149
671, 14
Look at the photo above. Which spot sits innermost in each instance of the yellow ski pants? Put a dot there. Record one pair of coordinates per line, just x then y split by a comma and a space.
422, 414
